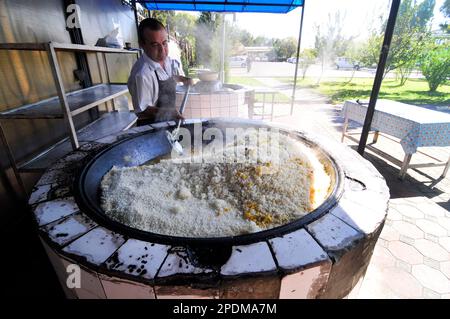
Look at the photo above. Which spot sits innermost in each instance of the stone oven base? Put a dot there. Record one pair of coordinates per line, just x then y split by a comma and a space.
207, 105
325, 259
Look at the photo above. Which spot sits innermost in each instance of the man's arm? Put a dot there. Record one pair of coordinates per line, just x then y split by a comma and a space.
149, 112
184, 80
154, 113
178, 73
144, 93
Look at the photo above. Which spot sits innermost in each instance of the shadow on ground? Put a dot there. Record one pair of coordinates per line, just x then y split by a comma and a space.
27, 271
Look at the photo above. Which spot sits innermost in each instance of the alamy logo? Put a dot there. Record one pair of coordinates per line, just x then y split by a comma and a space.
74, 276
73, 19
228, 145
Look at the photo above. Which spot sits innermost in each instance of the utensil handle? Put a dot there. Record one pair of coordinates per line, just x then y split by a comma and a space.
183, 105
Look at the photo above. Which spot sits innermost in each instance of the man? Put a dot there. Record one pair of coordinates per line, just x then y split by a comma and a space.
154, 76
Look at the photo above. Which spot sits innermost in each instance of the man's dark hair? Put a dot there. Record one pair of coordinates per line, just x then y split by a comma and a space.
151, 24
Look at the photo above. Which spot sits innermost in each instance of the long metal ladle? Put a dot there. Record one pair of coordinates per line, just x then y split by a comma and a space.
173, 136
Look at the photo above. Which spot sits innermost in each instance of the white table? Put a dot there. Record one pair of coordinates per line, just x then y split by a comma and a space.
414, 126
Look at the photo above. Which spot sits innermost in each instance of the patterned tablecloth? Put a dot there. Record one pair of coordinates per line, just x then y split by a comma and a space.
414, 126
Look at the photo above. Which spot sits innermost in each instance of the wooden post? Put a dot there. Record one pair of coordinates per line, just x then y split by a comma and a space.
344, 127
405, 165
375, 137
447, 166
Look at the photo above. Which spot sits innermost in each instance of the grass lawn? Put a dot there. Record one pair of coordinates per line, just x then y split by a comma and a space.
278, 98
415, 91
246, 81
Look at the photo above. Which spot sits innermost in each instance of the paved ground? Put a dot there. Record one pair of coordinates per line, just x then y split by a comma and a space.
412, 255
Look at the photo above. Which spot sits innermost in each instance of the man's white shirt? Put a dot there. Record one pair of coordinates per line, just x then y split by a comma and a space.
143, 83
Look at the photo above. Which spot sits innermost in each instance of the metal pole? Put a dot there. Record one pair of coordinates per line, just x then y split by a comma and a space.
298, 54
136, 19
379, 75
57, 76
222, 58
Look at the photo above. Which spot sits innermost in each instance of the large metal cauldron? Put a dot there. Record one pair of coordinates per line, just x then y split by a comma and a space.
151, 145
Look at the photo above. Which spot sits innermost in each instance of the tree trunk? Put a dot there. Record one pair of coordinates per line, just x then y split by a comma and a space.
321, 72
351, 78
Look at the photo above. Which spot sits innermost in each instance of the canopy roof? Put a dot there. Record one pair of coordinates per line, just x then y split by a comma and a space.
267, 6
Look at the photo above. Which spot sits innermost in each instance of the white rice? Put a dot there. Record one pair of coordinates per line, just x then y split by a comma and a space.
216, 198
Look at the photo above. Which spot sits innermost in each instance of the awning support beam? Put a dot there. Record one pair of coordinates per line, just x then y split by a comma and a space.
136, 19
296, 62
241, 3
379, 75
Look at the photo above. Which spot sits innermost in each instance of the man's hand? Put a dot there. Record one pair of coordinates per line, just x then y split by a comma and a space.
185, 80
177, 115
189, 81
168, 114
154, 113
149, 113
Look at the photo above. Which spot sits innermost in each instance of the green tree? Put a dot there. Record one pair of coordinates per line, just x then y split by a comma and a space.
435, 65
322, 48
246, 38
183, 28
183, 24
284, 48
207, 39
331, 43
404, 71
408, 39
238, 38
353, 53
423, 14
306, 59
261, 41
445, 9
411, 34
162, 16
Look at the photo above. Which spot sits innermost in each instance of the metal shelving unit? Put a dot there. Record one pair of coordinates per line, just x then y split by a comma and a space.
78, 101
66, 105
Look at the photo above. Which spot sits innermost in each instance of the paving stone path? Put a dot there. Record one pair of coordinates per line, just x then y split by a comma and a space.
412, 255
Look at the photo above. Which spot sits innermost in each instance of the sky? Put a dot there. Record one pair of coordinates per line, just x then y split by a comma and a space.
358, 15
